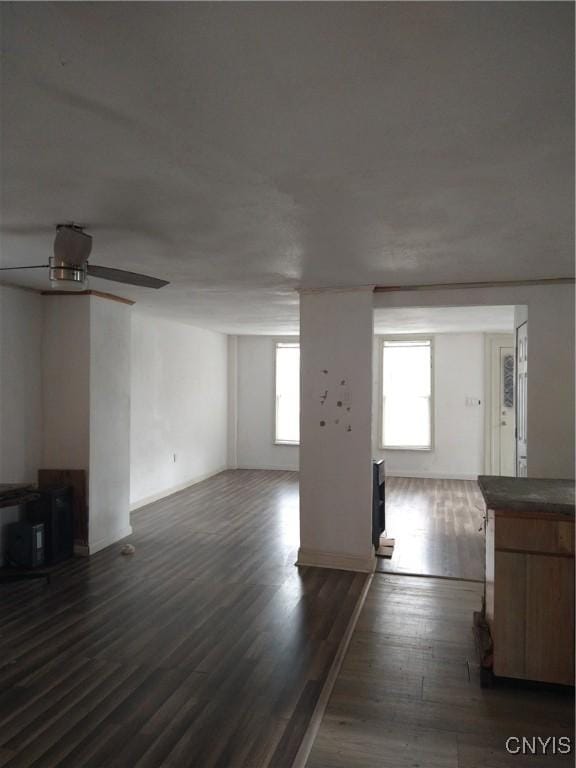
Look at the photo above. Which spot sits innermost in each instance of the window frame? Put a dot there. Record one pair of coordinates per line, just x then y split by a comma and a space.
405, 337
278, 341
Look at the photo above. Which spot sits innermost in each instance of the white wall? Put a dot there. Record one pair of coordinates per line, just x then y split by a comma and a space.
21, 422
458, 450
256, 408
109, 481
179, 406
232, 453
551, 391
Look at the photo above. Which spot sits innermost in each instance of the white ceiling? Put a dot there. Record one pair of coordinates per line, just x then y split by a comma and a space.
241, 150
444, 320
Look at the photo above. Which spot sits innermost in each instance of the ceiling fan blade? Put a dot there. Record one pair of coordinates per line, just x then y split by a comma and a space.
121, 276
34, 266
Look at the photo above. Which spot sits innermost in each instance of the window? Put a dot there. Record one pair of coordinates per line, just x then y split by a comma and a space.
407, 394
287, 393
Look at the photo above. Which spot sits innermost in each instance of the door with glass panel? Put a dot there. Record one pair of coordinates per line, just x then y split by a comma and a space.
522, 400
500, 404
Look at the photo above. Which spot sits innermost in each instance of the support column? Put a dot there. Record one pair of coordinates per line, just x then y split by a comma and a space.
336, 332
86, 392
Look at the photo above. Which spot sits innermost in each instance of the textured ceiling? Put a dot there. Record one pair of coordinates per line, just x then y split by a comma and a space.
241, 150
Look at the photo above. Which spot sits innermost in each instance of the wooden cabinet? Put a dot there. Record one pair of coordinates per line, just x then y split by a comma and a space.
529, 595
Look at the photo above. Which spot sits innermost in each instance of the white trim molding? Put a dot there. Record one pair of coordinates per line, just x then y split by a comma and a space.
428, 475
174, 489
339, 561
108, 541
270, 468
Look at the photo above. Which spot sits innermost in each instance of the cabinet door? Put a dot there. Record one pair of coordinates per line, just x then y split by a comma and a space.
533, 628
509, 625
550, 619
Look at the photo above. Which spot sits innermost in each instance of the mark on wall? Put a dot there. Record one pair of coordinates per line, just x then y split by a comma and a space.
340, 400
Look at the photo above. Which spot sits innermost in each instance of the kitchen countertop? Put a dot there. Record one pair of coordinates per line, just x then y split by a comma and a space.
524, 494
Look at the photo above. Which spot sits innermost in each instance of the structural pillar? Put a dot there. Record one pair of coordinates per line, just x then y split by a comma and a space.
86, 392
336, 336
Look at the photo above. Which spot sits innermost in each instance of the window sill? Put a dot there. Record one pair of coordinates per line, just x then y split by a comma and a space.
286, 442
407, 448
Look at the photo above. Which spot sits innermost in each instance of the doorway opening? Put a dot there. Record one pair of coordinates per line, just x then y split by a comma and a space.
453, 371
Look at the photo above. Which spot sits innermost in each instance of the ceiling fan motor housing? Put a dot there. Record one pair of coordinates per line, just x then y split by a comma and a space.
72, 247
61, 272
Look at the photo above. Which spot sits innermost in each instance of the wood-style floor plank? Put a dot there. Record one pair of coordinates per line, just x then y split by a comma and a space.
438, 528
408, 693
208, 648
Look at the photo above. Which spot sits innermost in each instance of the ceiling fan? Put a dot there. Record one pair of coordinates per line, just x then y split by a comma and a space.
69, 266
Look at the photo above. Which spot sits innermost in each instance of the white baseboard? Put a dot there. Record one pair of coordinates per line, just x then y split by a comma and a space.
429, 475
336, 560
268, 468
389, 472
174, 489
109, 540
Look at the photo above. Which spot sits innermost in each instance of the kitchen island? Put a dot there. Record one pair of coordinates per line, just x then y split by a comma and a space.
529, 579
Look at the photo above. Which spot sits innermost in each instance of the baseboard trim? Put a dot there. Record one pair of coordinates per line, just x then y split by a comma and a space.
336, 560
429, 475
81, 550
267, 469
174, 489
389, 473
317, 715
110, 540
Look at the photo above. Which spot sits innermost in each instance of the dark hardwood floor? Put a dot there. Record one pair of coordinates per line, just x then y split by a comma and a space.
438, 527
408, 693
205, 648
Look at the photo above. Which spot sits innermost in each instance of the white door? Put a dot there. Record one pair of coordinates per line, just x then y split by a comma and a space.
506, 412
500, 406
521, 400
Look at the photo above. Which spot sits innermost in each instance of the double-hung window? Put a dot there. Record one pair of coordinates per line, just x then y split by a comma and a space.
287, 422
407, 406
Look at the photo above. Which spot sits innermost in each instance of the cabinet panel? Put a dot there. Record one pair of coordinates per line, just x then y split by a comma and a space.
531, 535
